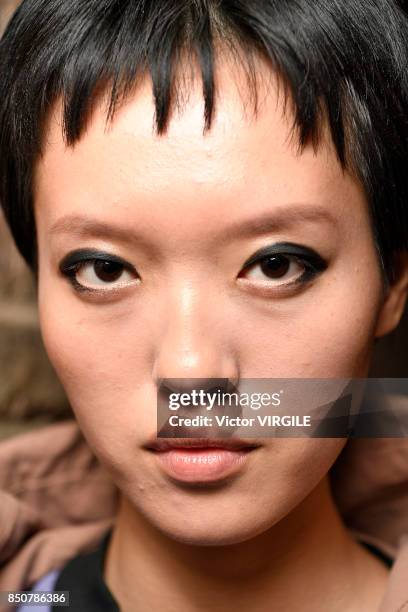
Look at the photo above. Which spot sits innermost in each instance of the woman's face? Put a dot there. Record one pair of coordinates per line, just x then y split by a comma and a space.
184, 212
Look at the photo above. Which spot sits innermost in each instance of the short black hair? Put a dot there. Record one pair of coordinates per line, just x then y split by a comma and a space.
344, 61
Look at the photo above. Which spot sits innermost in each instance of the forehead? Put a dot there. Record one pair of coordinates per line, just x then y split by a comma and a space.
247, 159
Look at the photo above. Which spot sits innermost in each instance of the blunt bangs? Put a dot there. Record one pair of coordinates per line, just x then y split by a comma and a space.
344, 62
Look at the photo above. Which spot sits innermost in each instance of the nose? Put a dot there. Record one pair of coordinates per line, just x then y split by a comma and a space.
193, 348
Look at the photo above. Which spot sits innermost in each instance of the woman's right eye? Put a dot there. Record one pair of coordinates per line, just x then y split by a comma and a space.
98, 273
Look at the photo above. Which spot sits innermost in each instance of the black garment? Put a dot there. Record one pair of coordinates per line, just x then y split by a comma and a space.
83, 578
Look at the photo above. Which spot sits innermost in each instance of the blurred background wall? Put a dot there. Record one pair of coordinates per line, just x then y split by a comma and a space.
30, 394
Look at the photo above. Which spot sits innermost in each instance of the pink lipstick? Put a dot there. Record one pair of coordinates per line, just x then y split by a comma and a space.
196, 460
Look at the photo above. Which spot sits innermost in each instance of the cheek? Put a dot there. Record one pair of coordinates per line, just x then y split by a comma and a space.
328, 332
292, 469
82, 349
95, 347
101, 357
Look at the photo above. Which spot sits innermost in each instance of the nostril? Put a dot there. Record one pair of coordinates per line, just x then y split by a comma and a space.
167, 386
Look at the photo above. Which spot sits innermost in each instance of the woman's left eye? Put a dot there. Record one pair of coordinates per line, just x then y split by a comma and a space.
278, 269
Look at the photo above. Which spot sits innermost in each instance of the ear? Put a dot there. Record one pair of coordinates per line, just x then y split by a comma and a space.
395, 297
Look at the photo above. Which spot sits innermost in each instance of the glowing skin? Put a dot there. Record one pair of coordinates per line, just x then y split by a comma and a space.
186, 212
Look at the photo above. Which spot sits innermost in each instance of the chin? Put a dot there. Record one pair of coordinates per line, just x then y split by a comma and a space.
209, 533
206, 521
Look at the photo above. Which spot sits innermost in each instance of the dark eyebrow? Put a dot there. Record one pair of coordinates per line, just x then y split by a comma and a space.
88, 227
282, 218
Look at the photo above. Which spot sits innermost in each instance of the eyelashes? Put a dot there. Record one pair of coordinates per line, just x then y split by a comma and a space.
89, 270
284, 264
279, 265
304, 253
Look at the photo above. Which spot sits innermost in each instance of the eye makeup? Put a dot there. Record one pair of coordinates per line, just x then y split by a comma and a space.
72, 263
310, 260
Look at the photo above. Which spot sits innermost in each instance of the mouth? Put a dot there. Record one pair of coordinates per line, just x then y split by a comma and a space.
201, 460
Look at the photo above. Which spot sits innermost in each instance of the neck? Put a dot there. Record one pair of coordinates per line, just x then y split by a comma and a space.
306, 562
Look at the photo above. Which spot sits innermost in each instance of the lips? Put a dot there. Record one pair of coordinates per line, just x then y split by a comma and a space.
200, 461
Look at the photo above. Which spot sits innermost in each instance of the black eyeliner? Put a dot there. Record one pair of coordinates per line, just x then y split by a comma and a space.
72, 262
304, 254
74, 258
